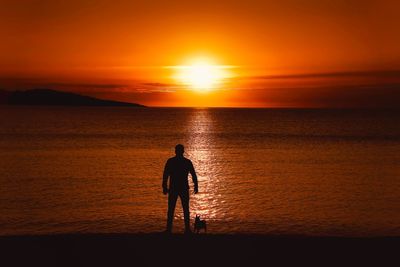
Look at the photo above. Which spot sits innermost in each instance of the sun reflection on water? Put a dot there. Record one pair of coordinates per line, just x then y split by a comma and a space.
200, 144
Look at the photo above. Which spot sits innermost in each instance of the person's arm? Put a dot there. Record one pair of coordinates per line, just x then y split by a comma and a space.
194, 178
165, 178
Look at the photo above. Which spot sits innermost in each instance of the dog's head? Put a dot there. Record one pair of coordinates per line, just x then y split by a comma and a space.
197, 218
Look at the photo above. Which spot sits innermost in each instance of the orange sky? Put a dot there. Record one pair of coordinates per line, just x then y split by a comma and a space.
119, 50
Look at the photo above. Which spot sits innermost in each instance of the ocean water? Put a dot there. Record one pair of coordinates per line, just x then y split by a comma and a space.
269, 171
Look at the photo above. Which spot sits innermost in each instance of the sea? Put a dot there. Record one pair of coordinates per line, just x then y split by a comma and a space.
314, 172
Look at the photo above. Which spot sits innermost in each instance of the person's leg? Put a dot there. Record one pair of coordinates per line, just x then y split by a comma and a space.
172, 197
185, 206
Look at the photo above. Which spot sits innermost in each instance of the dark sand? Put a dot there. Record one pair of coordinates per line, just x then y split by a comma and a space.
196, 250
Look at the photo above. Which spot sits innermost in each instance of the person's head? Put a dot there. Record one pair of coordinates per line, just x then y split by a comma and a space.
179, 150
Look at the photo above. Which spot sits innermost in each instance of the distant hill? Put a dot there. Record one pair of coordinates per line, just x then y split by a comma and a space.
47, 97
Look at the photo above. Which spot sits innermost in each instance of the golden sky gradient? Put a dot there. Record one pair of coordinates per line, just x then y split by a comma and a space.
288, 53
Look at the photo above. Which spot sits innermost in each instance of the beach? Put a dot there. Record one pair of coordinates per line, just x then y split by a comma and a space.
196, 250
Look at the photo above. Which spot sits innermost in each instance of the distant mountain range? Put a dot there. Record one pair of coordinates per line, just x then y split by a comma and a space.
48, 97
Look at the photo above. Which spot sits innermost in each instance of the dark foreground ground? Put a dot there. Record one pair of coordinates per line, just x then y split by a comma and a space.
196, 250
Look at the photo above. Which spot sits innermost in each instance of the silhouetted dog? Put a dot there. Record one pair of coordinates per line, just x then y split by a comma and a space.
199, 224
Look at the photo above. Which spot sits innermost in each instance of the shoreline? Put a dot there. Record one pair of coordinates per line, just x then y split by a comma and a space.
195, 250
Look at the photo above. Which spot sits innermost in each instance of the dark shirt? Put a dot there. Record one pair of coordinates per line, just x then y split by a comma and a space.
178, 168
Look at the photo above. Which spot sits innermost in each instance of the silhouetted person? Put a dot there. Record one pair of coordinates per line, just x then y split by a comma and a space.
177, 169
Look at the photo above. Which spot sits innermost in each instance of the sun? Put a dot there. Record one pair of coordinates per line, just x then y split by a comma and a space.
201, 75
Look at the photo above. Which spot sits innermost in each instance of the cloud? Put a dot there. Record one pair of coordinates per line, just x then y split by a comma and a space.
348, 74
89, 87
349, 96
